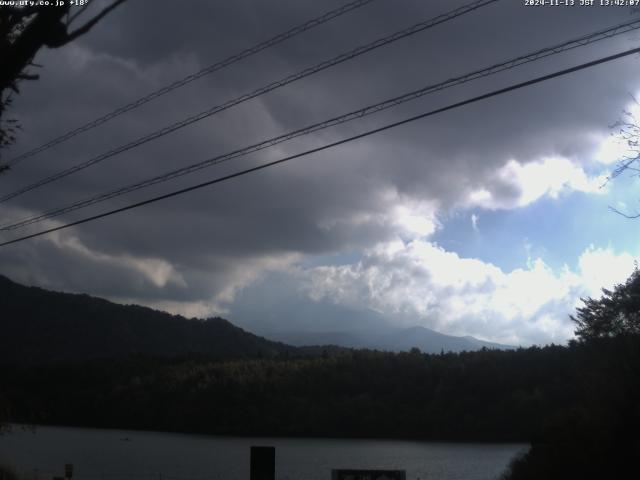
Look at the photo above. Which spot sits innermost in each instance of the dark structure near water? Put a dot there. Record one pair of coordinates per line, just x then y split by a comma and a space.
368, 475
263, 463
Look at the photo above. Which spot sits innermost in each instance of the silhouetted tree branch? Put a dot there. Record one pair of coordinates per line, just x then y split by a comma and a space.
628, 132
617, 312
91, 23
23, 32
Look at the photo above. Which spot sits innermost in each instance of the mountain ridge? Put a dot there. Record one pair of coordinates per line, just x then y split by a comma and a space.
39, 326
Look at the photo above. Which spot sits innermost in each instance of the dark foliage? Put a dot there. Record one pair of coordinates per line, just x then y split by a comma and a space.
578, 405
617, 312
25, 30
38, 326
597, 437
485, 396
7, 473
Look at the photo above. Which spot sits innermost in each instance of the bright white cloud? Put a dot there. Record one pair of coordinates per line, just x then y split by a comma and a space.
415, 219
420, 282
517, 185
600, 268
611, 150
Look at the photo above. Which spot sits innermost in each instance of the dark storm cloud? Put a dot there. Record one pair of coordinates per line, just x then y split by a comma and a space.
196, 247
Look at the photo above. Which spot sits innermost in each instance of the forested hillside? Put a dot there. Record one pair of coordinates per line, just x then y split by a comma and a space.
38, 325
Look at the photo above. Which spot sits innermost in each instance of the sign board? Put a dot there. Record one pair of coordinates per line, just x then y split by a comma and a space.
368, 475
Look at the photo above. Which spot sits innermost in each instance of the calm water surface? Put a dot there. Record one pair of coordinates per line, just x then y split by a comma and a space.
127, 455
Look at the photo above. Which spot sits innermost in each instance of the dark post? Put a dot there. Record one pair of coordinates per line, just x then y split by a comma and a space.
263, 463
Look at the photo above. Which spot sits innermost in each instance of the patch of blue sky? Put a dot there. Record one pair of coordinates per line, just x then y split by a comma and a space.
557, 230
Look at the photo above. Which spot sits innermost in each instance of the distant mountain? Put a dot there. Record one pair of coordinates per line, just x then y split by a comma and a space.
394, 339
431, 341
38, 325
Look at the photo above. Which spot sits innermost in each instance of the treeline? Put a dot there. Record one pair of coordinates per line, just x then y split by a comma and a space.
475, 396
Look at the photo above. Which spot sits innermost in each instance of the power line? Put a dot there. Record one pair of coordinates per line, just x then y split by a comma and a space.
334, 144
268, 88
326, 17
369, 110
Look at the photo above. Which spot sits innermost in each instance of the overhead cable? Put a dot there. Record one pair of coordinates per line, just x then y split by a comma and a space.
478, 98
256, 93
326, 17
353, 115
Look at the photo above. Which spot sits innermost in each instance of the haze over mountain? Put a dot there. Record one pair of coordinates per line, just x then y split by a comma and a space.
393, 339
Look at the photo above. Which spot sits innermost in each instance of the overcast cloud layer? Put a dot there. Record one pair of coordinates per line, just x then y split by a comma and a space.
354, 226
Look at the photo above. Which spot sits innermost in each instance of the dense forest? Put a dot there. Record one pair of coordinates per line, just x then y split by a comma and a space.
489, 395
578, 405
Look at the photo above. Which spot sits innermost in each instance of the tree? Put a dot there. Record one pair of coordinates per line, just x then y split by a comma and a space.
628, 133
23, 32
616, 313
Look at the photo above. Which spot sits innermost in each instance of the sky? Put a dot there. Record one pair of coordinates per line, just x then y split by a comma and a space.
490, 220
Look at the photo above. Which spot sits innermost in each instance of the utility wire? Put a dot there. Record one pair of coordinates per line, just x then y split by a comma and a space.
356, 114
194, 76
478, 98
268, 88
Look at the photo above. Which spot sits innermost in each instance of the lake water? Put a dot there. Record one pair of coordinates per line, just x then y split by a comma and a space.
127, 455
